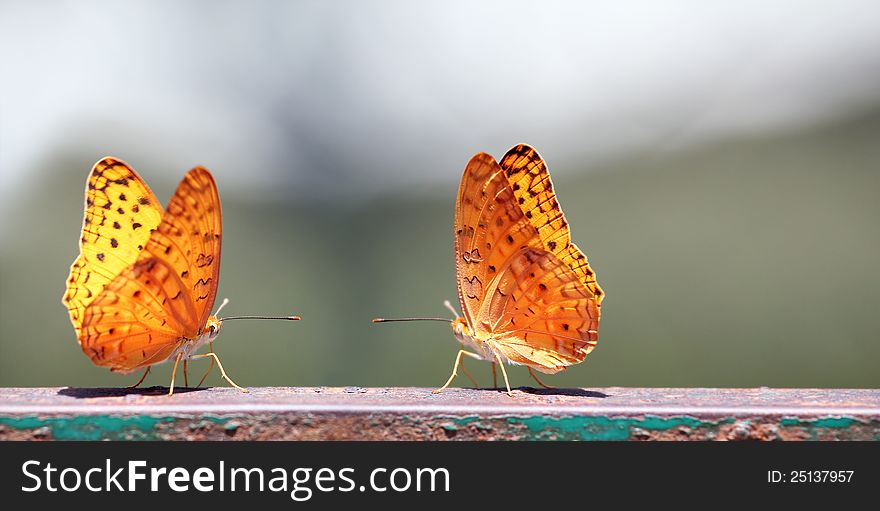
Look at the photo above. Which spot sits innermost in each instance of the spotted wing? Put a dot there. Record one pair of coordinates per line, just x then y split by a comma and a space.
489, 228
530, 182
187, 244
168, 292
540, 312
120, 213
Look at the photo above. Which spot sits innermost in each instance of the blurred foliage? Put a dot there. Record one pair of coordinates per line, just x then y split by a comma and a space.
746, 263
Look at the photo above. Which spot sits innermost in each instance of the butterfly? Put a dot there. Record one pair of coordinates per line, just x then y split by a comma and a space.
142, 288
527, 292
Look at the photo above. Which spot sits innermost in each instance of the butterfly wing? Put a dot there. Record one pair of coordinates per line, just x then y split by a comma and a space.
540, 313
140, 317
530, 182
186, 249
489, 227
120, 213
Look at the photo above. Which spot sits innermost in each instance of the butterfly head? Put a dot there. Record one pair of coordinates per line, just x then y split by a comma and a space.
460, 329
212, 327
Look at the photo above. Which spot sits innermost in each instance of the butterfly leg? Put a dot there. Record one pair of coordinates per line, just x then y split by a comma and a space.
185, 377
209, 367
504, 373
174, 373
143, 377
222, 371
535, 376
494, 376
471, 378
455, 368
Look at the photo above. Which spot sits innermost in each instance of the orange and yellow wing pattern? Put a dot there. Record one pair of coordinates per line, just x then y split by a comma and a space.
489, 228
530, 182
540, 313
120, 213
137, 314
521, 282
184, 252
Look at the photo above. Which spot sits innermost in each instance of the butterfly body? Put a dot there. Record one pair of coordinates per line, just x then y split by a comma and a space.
187, 347
482, 345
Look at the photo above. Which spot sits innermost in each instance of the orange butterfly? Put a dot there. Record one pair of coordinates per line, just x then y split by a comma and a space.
141, 291
528, 293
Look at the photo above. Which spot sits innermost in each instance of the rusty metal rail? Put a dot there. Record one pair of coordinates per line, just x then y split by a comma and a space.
354, 413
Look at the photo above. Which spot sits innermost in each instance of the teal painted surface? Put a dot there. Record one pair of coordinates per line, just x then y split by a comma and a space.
815, 427
109, 427
826, 422
91, 427
605, 428
544, 427
536, 427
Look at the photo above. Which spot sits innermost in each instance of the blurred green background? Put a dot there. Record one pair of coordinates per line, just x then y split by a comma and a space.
720, 166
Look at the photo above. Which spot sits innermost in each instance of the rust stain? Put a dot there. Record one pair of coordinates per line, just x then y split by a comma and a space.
355, 413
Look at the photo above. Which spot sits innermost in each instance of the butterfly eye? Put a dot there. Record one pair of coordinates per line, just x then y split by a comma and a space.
212, 330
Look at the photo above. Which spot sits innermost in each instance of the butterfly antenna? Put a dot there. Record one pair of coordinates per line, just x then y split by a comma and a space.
225, 301
448, 305
386, 320
445, 303
288, 318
